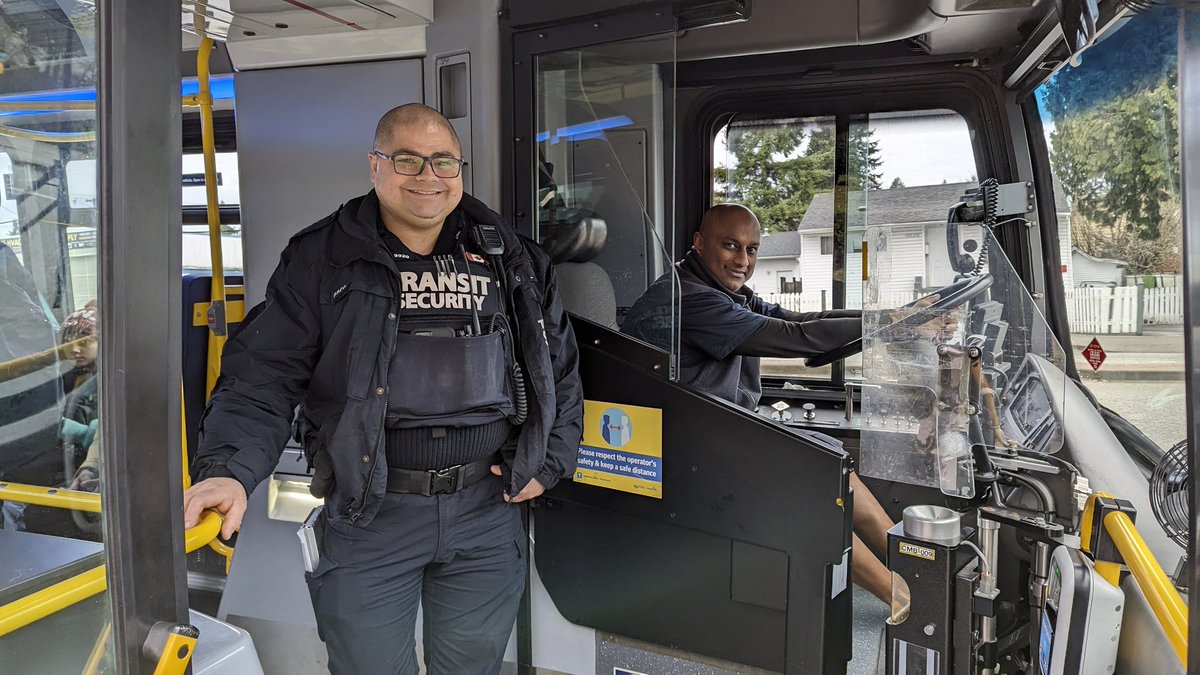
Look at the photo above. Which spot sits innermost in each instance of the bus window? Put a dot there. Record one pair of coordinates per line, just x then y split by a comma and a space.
197, 254
227, 180
1112, 125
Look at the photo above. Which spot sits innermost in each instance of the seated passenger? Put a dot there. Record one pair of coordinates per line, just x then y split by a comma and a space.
78, 338
725, 328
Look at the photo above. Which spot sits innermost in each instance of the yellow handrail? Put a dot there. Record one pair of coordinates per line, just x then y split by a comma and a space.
10, 370
187, 472
1164, 600
92, 667
224, 550
60, 498
47, 105
205, 531
31, 135
35, 606
216, 339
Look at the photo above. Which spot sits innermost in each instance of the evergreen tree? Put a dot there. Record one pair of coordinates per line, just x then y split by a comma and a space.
1115, 143
777, 168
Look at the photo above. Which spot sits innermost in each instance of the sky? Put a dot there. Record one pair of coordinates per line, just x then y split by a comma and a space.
925, 150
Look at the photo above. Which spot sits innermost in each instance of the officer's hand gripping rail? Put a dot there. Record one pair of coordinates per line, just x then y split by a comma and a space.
35, 606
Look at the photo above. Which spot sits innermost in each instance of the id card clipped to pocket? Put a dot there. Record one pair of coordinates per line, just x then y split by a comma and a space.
308, 541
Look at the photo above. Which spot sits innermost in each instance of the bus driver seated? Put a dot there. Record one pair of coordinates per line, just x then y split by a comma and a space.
725, 329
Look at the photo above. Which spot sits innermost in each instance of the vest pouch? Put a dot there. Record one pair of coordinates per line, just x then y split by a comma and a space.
449, 381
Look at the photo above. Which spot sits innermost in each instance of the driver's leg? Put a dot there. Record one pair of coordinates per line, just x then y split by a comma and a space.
871, 522
868, 572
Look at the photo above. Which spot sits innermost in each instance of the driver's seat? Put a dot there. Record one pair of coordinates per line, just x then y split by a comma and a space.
585, 287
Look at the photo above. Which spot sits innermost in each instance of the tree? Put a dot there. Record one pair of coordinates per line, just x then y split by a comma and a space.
1115, 144
896, 183
1142, 256
777, 168
1119, 161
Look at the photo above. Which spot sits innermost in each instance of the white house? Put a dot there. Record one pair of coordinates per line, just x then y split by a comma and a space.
915, 218
778, 267
1092, 271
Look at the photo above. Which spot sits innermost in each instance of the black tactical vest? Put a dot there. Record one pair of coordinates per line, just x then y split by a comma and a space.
453, 349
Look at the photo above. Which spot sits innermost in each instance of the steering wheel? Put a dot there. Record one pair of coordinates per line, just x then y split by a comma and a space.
957, 293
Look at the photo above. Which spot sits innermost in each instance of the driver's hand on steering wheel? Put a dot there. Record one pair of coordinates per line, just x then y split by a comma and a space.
941, 326
902, 313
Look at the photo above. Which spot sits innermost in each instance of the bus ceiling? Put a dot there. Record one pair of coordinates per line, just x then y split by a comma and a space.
1032, 37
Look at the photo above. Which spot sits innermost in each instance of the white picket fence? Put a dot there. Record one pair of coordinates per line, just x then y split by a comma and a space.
1123, 309
1099, 311
1163, 305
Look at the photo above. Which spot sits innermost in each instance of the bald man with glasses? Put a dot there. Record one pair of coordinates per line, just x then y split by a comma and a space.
437, 378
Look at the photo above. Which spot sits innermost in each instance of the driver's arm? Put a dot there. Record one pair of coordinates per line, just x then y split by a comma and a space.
790, 339
777, 312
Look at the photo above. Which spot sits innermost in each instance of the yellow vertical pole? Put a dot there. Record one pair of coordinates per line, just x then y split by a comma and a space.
187, 473
216, 313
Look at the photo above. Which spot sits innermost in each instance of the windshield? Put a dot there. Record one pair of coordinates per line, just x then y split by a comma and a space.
975, 366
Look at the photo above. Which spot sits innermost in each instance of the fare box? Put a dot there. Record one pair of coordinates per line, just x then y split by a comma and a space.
621, 448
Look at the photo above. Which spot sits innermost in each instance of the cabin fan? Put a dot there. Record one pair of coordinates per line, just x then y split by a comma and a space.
1170, 492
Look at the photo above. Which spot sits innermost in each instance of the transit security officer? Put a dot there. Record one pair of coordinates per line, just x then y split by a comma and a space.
439, 383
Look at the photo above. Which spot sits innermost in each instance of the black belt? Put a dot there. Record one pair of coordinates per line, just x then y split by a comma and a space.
440, 481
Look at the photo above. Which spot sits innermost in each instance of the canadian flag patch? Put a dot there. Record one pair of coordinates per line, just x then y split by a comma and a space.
475, 258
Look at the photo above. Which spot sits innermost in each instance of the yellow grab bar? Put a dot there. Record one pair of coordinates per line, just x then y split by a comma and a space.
10, 370
43, 603
60, 498
35, 606
32, 135
47, 105
1164, 600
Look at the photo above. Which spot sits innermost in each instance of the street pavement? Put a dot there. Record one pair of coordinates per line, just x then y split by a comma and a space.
1141, 379
1156, 354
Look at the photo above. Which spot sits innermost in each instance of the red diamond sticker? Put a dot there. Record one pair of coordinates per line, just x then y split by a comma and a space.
1094, 354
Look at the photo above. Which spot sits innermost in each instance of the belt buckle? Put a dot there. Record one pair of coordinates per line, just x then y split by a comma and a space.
443, 480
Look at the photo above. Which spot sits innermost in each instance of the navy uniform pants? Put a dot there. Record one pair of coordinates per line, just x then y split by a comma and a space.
461, 555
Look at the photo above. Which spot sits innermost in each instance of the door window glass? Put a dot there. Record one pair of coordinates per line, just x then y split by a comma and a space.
783, 169
50, 409
605, 150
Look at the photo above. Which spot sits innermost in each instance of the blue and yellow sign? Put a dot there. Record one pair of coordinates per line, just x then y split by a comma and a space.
621, 448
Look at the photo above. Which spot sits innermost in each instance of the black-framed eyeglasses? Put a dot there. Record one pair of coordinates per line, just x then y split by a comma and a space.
408, 164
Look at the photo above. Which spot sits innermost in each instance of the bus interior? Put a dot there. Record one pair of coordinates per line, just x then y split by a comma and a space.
1021, 170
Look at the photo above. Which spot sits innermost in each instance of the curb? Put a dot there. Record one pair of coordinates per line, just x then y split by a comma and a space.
1086, 374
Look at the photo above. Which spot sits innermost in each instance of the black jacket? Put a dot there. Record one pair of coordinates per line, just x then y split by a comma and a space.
722, 333
324, 337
